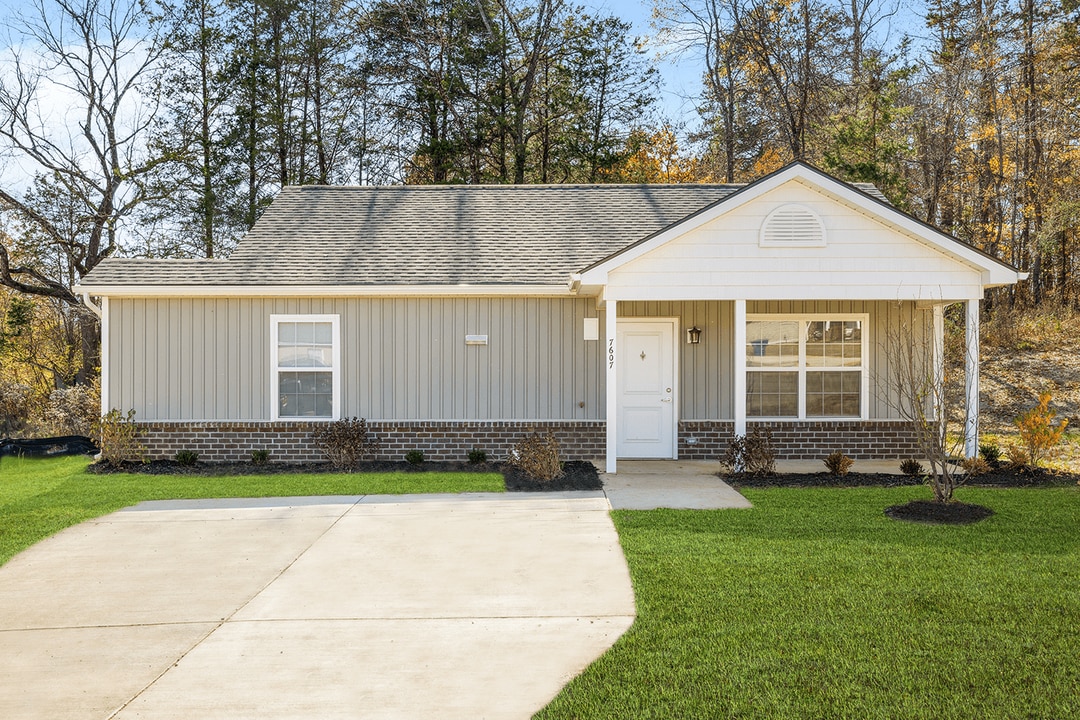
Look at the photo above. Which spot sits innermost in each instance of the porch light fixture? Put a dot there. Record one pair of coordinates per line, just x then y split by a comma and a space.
693, 335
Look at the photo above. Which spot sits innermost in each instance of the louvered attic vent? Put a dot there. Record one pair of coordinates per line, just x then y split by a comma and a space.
792, 226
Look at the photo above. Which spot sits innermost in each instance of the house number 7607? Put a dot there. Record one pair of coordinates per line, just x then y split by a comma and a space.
611, 353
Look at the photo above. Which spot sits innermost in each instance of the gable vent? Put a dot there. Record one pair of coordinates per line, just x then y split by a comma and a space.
792, 226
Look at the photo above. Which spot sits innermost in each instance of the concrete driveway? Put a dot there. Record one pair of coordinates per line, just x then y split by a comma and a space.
471, 606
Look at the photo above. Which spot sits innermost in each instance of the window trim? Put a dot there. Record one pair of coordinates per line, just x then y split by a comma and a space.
804, 320
335, 370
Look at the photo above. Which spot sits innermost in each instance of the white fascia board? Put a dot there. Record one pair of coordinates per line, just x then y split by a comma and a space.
323, 290
994, 272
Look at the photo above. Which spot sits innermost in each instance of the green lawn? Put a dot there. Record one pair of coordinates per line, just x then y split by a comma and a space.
39, 497
815, 605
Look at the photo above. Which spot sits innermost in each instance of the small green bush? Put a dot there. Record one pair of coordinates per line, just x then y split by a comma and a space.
414, 457
752, 454
838, 464
538, 456
118, 438
912, 468
187, 458
991, 453
346, 442
477, 456
260, 457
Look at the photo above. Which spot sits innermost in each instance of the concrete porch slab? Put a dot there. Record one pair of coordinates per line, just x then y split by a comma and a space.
678, 484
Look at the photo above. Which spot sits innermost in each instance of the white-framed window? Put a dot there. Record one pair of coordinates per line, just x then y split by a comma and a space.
305, 366
807, 366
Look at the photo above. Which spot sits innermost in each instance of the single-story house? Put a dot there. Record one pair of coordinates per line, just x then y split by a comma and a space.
634, 321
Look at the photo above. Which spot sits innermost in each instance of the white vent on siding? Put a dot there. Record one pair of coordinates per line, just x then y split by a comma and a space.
792, 226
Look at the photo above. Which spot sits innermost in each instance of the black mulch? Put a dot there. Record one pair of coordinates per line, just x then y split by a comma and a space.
1040, 477
577, 474
939, 513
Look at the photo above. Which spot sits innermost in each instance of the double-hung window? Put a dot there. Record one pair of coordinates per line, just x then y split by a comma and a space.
806, 367
305, 366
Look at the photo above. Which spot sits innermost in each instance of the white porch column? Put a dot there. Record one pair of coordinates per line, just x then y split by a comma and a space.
939, 360
611, 317
971, 378
740, 367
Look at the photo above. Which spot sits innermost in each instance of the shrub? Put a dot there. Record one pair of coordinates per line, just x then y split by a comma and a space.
1037, 431
15, 404
991, 453
912, 468
187, 458
260, 457
414, 457
346, 442
975, 466
751, 454
838, 463
477, 456
1016, 457
118, 438
537, 456
72, 411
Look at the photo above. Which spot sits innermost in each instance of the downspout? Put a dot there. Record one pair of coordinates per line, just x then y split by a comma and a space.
101, 319
88, 303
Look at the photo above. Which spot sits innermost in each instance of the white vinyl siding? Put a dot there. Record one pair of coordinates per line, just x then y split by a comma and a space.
864, 260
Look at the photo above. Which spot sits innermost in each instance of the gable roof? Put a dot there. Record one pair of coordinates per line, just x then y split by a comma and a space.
855, 195
492, 238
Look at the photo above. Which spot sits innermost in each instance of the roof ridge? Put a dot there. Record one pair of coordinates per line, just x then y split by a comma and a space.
527, 186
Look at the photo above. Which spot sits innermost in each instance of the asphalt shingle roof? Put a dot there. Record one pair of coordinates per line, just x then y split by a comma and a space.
431, 235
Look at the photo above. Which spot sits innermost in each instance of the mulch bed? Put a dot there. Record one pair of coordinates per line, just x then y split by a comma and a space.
1040, 477
920, 511
577, 474
939, 513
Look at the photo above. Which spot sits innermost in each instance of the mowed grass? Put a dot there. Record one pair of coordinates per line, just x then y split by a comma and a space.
815, 605
39, 497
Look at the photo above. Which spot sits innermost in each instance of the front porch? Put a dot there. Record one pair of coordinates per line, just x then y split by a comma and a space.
673, 393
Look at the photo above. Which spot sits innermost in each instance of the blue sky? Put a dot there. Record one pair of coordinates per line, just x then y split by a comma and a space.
681, 78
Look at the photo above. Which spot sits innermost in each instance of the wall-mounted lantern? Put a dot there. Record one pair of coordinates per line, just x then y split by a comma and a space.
693, 335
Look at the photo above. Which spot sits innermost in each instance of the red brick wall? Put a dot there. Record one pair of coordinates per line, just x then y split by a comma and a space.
291, 441
809, 440
580, 440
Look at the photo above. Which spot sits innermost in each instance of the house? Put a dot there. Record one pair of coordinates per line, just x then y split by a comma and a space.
633, 321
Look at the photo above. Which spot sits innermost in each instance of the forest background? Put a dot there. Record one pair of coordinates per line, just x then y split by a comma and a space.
163, 128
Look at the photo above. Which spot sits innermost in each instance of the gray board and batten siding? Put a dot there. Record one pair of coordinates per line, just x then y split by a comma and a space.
208, 359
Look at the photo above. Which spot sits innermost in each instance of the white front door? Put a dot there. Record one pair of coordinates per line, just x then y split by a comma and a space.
646, 388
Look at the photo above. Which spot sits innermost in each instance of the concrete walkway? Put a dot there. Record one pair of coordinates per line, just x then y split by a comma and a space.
474, 606
681, 484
